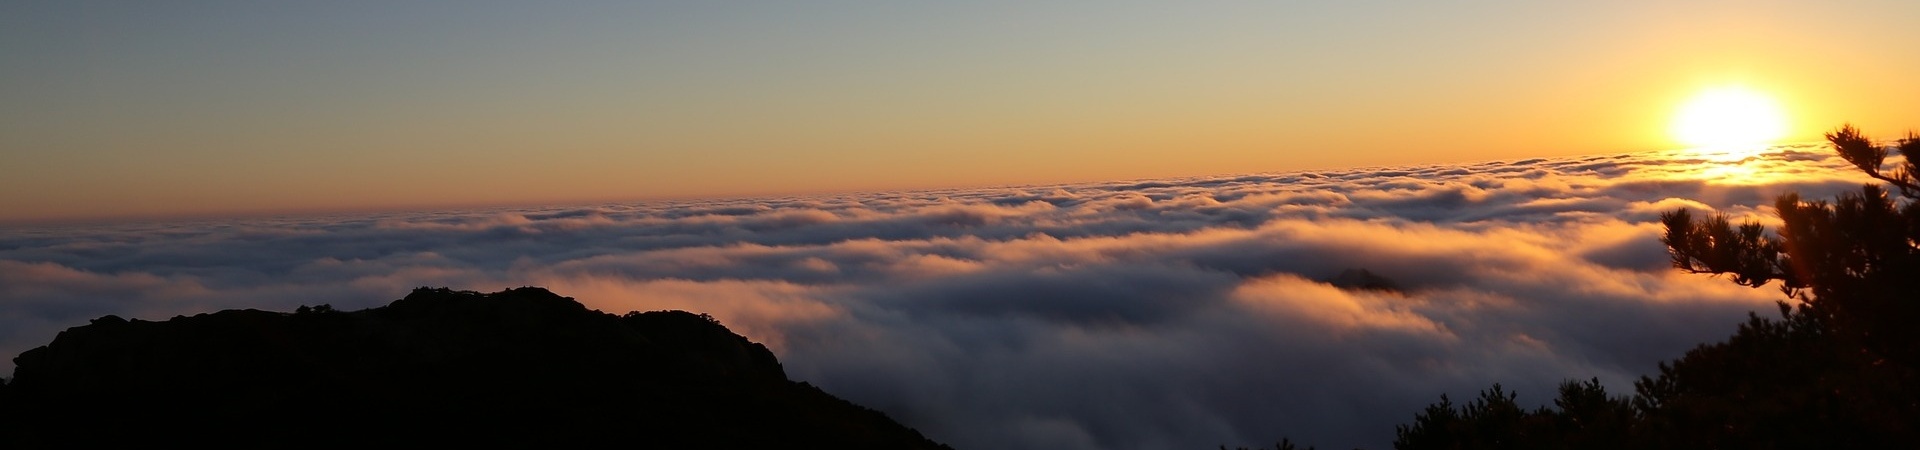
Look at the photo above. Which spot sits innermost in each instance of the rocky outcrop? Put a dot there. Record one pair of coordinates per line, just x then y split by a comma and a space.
521, 367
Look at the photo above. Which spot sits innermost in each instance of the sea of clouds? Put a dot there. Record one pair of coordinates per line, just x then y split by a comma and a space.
1177, 313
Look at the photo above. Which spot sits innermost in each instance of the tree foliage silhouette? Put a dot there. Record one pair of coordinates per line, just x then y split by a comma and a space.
1583, 417
1838, 366
1836, 370
1853, 263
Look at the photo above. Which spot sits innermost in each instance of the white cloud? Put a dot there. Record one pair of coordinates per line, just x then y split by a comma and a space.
1147, 314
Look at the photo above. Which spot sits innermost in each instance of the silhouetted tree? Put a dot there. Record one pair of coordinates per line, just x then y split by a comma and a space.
1588, 418
1583, 417
1838, 366
1836, 370
1431, 429
1785, 383
1853, 263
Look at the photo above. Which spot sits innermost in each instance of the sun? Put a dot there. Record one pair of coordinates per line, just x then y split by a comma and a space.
1728, 118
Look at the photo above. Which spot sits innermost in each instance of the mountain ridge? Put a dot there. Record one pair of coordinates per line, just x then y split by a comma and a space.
520, 366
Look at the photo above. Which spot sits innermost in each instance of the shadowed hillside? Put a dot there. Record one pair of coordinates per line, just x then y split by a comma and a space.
518, 367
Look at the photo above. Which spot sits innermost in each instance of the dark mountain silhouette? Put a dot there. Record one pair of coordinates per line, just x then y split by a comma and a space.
521, 367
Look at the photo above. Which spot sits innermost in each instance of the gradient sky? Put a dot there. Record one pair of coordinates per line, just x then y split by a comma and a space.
134, 109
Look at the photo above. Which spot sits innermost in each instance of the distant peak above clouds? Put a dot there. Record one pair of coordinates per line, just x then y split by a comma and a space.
1362, 279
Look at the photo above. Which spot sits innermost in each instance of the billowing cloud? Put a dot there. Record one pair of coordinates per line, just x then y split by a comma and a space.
1180, 313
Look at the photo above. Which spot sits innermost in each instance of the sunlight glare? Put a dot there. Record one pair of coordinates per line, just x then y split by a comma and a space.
1730, 117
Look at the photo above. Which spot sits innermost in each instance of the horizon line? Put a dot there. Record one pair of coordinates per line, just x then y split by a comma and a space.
321, 212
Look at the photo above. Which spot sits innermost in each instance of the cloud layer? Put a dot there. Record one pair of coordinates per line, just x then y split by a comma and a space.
1180, 313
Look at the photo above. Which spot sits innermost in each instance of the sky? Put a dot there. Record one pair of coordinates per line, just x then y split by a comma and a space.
116, 110
1181, 312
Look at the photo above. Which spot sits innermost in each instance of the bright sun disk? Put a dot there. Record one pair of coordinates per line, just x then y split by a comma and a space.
1727, 118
